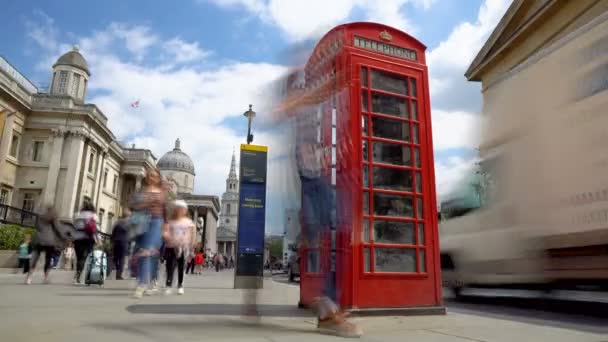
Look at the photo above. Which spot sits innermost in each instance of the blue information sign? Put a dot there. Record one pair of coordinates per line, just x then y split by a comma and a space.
252, 208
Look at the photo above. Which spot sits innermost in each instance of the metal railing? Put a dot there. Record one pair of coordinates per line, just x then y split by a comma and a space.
13, 215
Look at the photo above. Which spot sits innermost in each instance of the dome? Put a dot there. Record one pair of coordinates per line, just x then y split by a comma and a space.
176, 160
75, 59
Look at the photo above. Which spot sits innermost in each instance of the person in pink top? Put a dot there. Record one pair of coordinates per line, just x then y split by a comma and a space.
179, 237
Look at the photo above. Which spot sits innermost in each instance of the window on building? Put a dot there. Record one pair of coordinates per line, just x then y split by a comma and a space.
4, 196
186, 184
92, 162
227, 220
114, 183
37, 153
14, 145
105, 178
62, 83
75, 85
101, 214
227, 208
29, 201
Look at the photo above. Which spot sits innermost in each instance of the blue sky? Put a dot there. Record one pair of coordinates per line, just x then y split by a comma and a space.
196, 66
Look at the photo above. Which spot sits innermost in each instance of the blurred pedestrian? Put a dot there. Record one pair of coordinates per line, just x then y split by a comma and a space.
318, 208
179, 238
49, 236
199, 260
85, 225
218, 261
120, 243
68, 257
151, 203
24, 253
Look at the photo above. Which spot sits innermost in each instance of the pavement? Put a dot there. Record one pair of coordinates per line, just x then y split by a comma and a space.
211, 311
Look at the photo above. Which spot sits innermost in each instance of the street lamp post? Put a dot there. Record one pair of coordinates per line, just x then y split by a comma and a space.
250, 114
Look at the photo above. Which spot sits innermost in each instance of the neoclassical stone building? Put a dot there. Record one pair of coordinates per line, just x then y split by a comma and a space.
56, 148
178, 169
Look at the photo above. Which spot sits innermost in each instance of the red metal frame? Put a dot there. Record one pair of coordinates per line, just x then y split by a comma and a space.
333, 79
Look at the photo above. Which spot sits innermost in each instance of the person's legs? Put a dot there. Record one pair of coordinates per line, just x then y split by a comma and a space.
149, 244
33, 261
180, 271
80, 247
49, 254
170, 259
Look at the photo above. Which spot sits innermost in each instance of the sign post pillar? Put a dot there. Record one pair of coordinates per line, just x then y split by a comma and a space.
252, 217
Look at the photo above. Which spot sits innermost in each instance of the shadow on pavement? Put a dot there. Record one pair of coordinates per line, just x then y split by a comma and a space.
269, 310
151, 328
95, 294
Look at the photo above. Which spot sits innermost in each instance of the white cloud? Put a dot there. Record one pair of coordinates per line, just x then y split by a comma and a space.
455, 130
184, 52
304, 19
449, 60
138, 39
188, 102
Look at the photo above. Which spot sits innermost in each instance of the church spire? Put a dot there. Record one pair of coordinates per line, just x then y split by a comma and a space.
232, 174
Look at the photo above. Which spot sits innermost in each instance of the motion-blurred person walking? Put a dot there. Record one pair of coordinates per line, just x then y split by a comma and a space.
120, 243
318, 205
24, 254
49, 236
150, 203
68, 257
179, 237
85, 225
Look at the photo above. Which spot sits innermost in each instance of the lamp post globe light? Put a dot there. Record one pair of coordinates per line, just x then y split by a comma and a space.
250, 114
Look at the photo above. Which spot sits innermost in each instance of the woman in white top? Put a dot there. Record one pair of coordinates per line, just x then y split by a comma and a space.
179, 239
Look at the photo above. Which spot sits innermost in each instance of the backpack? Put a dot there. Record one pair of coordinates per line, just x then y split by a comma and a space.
90, 227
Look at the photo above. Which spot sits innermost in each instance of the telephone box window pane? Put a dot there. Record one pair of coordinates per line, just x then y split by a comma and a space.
393, 205
422, 261
389, 82
365, 203
417, 156
364, 77
365, 150
365, 230
391, 105
364, 125
312, 264
421, 234
366, 260
392, 179
364, 104
391, 154
413, 87
414, 110
419, 208
395, 260
394, 232
418, 182
390, 129
365, 176
416, 141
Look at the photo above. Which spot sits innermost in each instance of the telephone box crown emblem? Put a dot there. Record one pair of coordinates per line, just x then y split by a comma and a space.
384, 35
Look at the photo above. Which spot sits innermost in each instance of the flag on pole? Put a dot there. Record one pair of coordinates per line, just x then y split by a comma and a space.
135, 104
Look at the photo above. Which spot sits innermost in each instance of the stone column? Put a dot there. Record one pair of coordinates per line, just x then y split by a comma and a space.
138, 182
71, 180
97, 187
7, 137
54, 164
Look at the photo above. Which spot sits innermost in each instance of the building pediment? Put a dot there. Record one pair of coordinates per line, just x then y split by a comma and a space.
520, 15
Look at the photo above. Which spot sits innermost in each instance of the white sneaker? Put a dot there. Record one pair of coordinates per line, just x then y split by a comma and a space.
168, 291
180, 291
139, 292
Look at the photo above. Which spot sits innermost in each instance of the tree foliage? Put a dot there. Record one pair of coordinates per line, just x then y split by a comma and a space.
11, 235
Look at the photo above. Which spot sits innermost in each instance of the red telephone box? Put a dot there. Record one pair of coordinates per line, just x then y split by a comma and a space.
366, 84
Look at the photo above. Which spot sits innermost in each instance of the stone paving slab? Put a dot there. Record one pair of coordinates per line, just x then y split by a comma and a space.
210, 311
